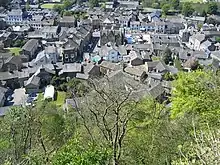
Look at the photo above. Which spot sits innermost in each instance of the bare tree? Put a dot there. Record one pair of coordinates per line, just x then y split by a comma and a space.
105, 113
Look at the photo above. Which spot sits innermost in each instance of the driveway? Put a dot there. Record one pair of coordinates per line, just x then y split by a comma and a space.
19, 97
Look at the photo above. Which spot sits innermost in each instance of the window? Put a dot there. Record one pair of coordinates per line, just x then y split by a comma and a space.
66, 56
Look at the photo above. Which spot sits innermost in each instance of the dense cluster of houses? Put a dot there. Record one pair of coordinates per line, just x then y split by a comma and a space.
121, 41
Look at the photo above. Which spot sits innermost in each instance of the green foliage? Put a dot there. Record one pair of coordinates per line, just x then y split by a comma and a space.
175, 4
156, 5
187, 9
58, 8
68, 3
167, 56
212, 8
79, 87
203, 149
67, 13
93, 3
177, 64
169, 77
196, 93
75, 153
217, 39
151, 127
18, 43
165, 9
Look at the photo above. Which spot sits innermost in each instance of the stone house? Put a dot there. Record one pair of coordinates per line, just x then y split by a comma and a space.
137, 72
32, 85
107, 67
11, 64
30, 49
67, 21
196, 40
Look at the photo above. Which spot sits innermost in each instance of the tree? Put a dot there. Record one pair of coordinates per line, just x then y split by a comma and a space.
75, 153
167, 56
203, 14
58, 8
187, 9
175, 4
165, 9
68, 3
196, 93
105, 114
67, 13
93, 3
79, 87
212, 8
203, 149
32, 134
153, 138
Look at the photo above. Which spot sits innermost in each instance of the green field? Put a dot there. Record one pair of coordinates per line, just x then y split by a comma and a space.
14, 50
49, 5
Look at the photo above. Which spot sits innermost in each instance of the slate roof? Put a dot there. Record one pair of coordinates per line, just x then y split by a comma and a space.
135, 70
67, 19
199, 37
161, 66
33, 80
156, 91
30, 45
152, 64
50, 50
71, 68
14, 60
82, 76
49, 29
109, 65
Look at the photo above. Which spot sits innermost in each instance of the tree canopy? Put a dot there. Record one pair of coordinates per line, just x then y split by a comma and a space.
187, 9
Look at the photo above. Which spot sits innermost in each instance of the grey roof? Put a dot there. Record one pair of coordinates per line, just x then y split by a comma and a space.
14, 60
71, 68
122, 50
199, 37
2, 93
33, 80
49, 29
156, 91
157, 76
70, 44
50, 50
216, 55
152, 64
67, 19
161, 66
135, 70
105, 49
30, 45
167, 84
147, 47
164, 38
109, 65
15, 12
82, 76
43, 68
